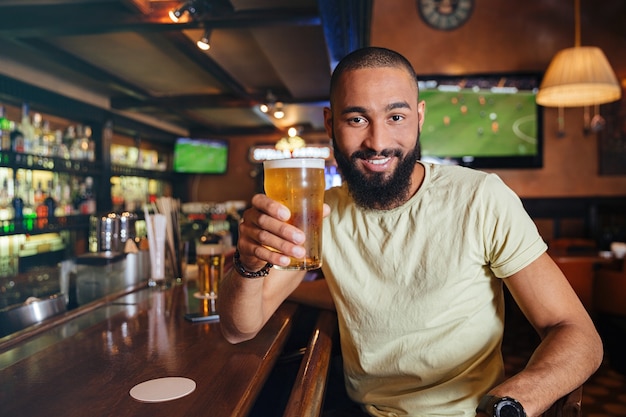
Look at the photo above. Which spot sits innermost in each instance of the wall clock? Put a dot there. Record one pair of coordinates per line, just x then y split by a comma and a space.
445, 14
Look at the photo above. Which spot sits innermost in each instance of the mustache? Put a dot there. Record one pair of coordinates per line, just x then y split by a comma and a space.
370, 153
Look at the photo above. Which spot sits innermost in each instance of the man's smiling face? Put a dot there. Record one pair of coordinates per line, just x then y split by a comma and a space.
374, 120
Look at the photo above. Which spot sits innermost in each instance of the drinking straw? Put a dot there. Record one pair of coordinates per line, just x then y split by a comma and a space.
170, 208
156, 225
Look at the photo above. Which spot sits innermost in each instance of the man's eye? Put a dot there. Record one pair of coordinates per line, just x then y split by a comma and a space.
397, 118
356, 120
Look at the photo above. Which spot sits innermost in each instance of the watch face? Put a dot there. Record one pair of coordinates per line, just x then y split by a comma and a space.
445, 14
508, 408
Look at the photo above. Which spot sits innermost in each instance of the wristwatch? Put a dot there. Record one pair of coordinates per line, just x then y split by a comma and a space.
500, 407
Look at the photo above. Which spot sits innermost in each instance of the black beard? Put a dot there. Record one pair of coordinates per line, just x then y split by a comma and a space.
374, 191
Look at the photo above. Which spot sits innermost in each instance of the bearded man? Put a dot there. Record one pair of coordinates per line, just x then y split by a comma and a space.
415, 257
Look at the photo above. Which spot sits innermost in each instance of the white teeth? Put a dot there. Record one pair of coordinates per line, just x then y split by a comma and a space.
378, 161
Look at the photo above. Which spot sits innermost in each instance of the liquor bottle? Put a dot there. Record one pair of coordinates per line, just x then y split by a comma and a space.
60, 149
39, 195
37, 147
78, 191
90, 152
50, 203
48, 139
18, 203
6, 209
88, 201
24, 195
5, 131
66, 198
41, 210
83, 142
152, 191
17, 139
73, 143
28, 132
28, 191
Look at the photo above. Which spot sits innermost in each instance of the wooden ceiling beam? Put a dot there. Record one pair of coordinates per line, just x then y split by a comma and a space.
205, 101
143, 6
180, 41
54, 54
18, 22
30, 23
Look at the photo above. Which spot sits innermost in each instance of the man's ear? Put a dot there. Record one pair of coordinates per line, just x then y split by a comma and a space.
328, 121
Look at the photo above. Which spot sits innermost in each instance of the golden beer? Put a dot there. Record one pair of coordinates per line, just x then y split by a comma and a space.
299, 184
210, 260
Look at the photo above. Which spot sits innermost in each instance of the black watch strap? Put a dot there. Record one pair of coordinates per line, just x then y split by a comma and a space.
495, 406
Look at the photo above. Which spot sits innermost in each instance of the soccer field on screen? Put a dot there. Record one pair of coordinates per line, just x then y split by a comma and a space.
479, 124
196, 157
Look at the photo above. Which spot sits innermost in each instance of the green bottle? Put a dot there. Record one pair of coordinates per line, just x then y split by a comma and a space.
5, 131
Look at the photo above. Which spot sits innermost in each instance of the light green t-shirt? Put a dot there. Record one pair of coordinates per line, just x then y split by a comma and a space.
420, 311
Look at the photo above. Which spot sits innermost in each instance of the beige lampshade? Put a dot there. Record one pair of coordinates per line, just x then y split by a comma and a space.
579, 76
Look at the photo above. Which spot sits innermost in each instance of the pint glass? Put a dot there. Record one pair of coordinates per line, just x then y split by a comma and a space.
299, 184
210, 261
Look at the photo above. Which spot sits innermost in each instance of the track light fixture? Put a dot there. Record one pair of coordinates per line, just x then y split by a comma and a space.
196, 9
176, 14
189, 7
279, 112
272, 107
270, 101
203, 42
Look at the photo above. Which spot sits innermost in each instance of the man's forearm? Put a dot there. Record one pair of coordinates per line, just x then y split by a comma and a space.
245, 304
550, 372
240, 305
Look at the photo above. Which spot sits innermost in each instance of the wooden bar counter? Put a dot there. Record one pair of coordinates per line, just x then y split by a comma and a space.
86, 366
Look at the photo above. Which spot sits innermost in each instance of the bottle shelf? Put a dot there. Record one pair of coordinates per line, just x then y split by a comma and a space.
122, 170
70, 175
40, 225
18, 160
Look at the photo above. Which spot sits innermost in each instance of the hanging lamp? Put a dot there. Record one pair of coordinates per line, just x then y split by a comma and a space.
578, 76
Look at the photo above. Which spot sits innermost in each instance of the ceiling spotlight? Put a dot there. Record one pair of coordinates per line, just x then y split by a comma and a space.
189, 7
270, 101
279, 113
176, 14
272, 106
203, 42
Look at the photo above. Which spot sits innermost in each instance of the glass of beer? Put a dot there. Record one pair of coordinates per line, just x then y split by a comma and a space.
299, 184
210, 261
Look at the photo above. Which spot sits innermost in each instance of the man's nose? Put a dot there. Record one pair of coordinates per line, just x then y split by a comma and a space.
378, 137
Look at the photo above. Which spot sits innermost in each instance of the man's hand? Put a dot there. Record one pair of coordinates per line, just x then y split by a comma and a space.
245, 304
265, 225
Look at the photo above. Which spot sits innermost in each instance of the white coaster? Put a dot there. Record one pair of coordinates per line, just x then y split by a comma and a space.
162, 389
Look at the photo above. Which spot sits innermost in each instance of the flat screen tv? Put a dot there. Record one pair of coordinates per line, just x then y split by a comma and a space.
482, 121
200, 156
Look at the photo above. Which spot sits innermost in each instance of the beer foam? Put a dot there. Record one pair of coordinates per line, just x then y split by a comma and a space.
209, 249
295, 163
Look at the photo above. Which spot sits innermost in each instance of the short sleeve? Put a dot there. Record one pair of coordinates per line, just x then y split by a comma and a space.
511, 238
